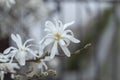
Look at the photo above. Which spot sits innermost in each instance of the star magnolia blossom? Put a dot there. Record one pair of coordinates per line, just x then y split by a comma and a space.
57, 34
21, 52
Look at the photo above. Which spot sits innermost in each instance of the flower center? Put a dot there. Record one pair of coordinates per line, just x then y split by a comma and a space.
57, 36
21, 49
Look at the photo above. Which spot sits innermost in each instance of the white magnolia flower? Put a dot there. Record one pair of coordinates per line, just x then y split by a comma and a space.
20, 53
7, 3
57, 34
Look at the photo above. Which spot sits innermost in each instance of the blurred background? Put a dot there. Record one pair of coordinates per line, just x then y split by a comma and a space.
97, 22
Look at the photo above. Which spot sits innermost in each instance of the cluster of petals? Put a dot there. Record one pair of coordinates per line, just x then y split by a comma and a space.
21, 52
58, 34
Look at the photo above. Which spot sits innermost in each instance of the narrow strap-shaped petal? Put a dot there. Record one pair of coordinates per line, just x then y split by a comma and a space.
11, 53
67, 42
31, 52
44, 38
61, 42
14, 38
71, 38
12, 56
29, 45
54, 50
19, 40
60, 26
6, 51
44, 65
68, 24
47, 42
27, 42
65, 50
21, 57
50, 26
68, 32
47, 30
3, 58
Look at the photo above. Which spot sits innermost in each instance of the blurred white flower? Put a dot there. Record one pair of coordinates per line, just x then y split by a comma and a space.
7, 67
57, 34
7, 3
38, 65
21, 52
42, 65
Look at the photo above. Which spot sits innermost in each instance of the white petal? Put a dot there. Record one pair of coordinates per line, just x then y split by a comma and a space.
67, 42
6, 51
12, 56
68, 24
31, 52
54, 50
71, 38
48, 41
4, 60
19, 40
58, 23
21, 57
49, 25
27, 42
43, 63
13, 52
47, 30
44, 38
61, 42
65, 50
67, 32
14, 38
59, 26
29, 45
